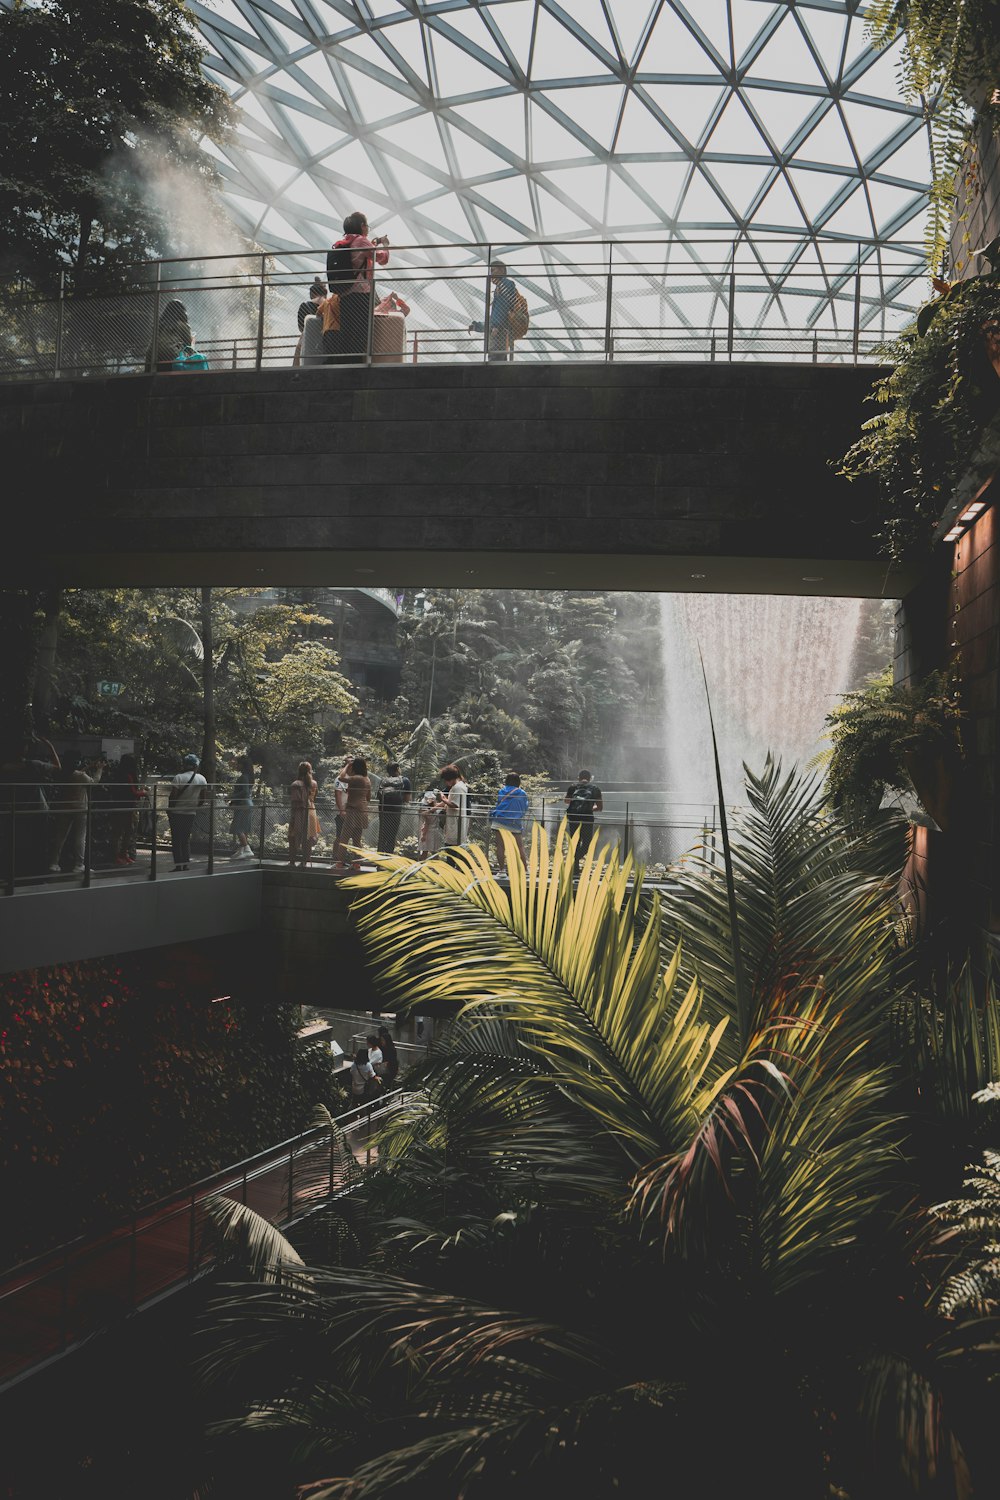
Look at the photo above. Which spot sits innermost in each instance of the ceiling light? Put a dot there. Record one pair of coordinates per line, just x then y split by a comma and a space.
699, 575
954, 534
812, 578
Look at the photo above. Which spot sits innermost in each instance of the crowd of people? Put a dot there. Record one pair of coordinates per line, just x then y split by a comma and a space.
54, 806
375, 1067
346, 305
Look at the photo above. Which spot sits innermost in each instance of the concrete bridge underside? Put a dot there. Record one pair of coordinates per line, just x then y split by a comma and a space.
633, 476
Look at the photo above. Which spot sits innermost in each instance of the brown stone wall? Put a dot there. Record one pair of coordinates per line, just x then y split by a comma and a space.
975, 629
977, 209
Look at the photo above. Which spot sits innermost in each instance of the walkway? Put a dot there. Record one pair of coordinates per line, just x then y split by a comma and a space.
49, 1306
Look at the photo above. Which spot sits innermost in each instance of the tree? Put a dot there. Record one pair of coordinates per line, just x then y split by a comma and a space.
104, 102
612, 1236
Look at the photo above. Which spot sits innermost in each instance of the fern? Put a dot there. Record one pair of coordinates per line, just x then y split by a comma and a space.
973, 1287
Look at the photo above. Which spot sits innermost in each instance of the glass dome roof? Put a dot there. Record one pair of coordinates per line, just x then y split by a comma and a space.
771, 127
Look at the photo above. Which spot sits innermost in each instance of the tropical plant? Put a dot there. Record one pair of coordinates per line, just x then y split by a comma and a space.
615, 1184
886, 736
950, 60
935, 403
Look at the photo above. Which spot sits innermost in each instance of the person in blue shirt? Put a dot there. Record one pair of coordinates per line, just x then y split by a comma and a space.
501, 345
509, 813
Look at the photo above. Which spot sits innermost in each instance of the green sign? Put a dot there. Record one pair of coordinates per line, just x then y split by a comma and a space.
107, 689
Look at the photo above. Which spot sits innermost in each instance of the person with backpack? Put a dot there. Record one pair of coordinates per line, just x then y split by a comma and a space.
312, 308
188, 790
509, 813
394, 793
508, 315
583, 799
173, 336
350, 269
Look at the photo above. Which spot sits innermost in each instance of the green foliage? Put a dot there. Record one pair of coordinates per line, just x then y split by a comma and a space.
274, 687
950, 59
602, 1201
119, 1084
874, 731
934, 405
103, 101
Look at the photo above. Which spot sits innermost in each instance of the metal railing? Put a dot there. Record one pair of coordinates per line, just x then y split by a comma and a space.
588, 302
48, 841
51, 1304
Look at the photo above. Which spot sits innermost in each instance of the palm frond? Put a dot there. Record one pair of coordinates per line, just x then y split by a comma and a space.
575, 972
242, 1238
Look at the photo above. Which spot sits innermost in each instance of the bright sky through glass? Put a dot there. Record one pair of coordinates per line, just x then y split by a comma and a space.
504, 121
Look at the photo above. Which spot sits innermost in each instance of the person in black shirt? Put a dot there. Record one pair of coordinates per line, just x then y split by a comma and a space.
583, 799
394, 792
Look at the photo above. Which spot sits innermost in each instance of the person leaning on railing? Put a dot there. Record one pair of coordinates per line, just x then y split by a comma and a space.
501, 345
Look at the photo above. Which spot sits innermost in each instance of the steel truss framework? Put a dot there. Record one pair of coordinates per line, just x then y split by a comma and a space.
741, 134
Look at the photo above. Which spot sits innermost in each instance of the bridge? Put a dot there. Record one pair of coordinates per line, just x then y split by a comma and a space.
635, 452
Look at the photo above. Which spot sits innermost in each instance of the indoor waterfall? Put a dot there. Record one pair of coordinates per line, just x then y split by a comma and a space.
775, 665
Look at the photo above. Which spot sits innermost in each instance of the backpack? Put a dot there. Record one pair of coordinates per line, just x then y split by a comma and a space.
517, 318
190, 358
340, 272
582, 802
329, 311
390, 791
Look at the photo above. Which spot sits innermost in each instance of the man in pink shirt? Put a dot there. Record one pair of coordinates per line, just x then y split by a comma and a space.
349, 270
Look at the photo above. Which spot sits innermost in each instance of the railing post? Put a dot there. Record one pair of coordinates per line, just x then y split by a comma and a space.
11, 878
291, 1179
815, 358
60, 313
88, 837
857, 309
731, 327
263, 824
332, 1157
210, 866
627, 842
152, 836
608, 307
260, 313
155, 341
370, 333
489, 302
713, 349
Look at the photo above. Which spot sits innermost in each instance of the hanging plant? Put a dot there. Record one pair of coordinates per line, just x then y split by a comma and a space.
943, 389
896, 738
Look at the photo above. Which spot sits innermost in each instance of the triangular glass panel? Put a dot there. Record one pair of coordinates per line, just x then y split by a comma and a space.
306, 193
585, 185
446, 213
512, 197
735, 133
502, 119
881, 78
470, 25
673, 48
353, 161
786, 57
516, 23
407, 39
702, 205
688, 106
625, 210
779, 209
458, 73
629, 21
277, 173
747, 23
816, 190
853, 218
911, 160
869, 126
640, 130
473, 159
557, 217
828, 142
739, 181
662, 180
374, 101
319, 136
780, 113
827, 31
316, 68
419, 136
559, 54
590, 15
888, 203
594, 109
712, 18
550, 141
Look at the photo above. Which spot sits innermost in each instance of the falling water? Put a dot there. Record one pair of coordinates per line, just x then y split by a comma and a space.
775, 665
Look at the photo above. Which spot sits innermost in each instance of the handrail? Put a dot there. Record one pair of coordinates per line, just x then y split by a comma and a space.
596, 301
62, 1313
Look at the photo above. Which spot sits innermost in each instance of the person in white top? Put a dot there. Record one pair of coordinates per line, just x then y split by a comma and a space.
362, 1075
187, 793
456, 805
375, 1055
